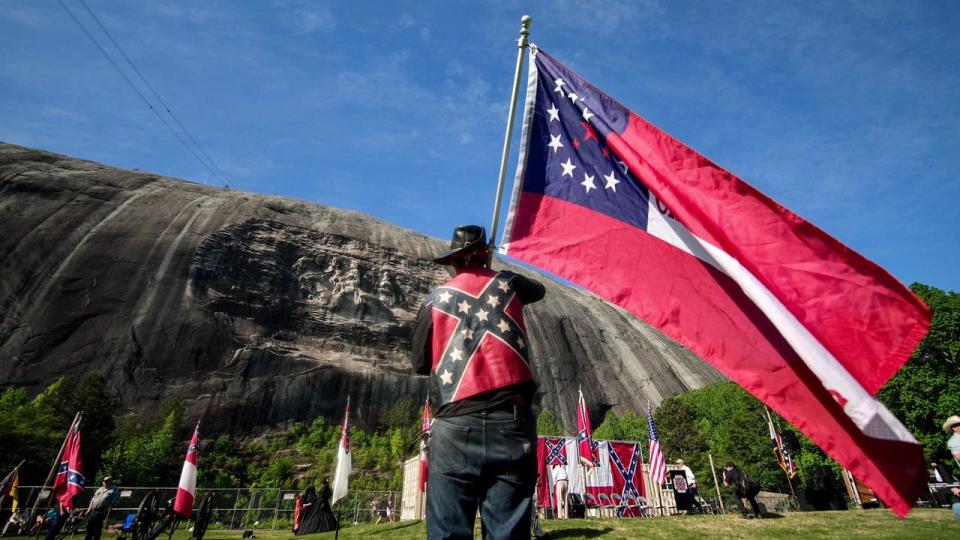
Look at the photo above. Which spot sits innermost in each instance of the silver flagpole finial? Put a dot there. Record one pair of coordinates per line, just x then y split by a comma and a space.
525, 22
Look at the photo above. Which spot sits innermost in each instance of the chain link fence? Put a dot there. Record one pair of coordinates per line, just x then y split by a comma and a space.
239, 508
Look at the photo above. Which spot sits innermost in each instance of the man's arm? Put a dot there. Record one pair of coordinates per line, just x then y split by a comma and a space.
420, 344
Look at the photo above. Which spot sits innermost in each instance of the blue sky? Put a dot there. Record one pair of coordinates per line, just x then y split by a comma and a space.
845, 112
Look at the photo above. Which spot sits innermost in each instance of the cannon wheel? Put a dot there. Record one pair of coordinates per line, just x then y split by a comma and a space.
204, 514
148, 513
169, 521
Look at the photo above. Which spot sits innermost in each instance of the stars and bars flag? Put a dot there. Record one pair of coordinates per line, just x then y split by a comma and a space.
70, 481
780, 450
187, 487
658, 465
610, 202
587, 448
344, 467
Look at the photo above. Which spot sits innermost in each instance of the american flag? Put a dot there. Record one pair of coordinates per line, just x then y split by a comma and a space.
658, 466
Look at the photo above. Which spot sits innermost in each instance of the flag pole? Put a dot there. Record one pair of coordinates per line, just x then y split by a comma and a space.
55, 465
504, 157
716, 484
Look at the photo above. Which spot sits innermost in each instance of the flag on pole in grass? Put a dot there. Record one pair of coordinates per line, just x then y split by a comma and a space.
780, 450
187, 488
9, 489
70, 482
658, 465
343, 459
424, 457
610, 202
587, 448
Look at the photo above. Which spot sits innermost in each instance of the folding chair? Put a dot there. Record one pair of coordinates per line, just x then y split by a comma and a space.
641, 506
605, 505
618, 505
128, 523
591, 503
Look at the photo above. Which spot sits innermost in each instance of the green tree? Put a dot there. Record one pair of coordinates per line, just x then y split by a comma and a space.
927, 389
609, 429
547, 425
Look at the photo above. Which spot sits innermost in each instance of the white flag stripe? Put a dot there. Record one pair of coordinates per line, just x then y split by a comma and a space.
871, 416
340, 478
188, 478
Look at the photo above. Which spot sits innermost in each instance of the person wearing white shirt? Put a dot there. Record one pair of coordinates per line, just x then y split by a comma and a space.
691, 484
562, 485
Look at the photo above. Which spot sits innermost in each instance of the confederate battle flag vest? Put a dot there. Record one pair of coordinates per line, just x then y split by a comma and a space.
479, 339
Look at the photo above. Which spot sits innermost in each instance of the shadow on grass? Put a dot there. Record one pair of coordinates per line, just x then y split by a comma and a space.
772, 515
403, 525
578, 533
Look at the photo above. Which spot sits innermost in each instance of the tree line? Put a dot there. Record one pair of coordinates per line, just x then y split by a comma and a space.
720, 419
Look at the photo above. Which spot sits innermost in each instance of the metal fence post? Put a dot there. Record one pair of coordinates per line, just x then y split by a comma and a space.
236, 501
276, 510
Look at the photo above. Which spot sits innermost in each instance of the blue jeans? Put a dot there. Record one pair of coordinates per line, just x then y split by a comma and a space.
486, 459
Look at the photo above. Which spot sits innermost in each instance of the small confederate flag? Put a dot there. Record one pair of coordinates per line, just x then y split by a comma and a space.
69, 481
187, 488
587, 448
780, 450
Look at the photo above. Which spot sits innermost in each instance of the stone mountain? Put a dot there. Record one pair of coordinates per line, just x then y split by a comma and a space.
255, 310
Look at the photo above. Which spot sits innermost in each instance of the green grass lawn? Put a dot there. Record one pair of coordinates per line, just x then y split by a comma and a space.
874, 524
922, 524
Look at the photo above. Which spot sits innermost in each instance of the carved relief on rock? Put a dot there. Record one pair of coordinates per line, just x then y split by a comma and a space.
318, 285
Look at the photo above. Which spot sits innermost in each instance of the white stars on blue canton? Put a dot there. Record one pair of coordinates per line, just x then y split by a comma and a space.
570, 157
556, 143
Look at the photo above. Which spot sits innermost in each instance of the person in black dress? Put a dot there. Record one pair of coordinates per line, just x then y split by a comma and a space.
309, 512
328, 522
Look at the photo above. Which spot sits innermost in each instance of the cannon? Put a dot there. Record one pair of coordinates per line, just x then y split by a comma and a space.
155, 518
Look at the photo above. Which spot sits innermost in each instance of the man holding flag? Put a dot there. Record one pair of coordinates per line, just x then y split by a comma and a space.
471, 338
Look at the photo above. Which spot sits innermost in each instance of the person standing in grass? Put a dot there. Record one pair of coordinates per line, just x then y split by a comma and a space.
471, 338
744, 487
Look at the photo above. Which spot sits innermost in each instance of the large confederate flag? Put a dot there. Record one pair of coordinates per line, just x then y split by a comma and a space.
627, 468
608, 201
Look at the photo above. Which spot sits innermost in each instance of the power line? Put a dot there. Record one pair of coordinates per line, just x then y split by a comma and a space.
135, 89
152, 90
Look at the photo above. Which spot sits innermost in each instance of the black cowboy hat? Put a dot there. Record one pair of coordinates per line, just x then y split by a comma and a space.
466, 239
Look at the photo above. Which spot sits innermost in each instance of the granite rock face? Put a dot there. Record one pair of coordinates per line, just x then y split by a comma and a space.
255, 310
